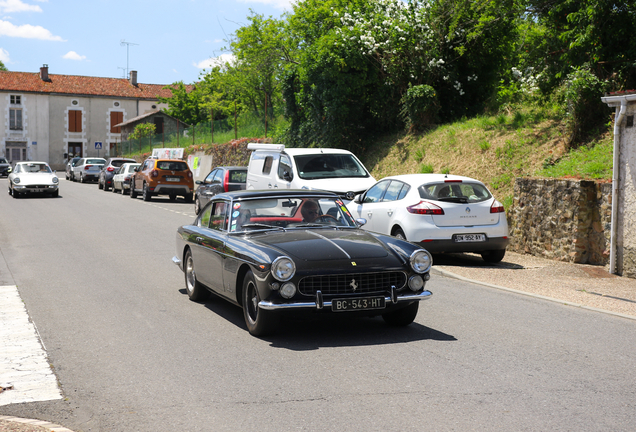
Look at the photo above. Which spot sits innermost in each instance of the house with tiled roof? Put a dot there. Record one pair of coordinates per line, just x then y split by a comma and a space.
52, 117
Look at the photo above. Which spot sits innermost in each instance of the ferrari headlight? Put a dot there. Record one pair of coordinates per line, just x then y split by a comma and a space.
421, 261
288, 290
283, 268
55, 180
16, 180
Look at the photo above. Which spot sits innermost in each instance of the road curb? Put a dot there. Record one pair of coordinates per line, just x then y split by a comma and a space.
452, 275
51, 426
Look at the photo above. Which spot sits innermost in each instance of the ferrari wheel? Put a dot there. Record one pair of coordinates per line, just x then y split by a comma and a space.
402, 317
196, 291
259, 322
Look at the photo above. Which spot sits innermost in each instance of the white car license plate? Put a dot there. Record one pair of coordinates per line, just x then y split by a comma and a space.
459, 238
172, 179
356, 304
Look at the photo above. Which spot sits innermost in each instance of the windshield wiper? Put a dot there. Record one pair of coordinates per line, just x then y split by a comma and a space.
261, 225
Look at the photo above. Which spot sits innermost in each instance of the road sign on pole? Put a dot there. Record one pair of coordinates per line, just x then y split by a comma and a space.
98, 147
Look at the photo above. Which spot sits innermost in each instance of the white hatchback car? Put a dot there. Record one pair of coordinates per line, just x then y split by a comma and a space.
33, 177
442, 213
121, 180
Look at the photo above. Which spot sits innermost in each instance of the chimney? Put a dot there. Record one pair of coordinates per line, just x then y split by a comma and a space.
44, 72
133, 78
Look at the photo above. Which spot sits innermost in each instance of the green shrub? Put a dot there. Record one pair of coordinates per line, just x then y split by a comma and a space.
426, 169
419, 107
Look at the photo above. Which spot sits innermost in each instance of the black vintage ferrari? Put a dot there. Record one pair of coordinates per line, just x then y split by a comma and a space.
297, 250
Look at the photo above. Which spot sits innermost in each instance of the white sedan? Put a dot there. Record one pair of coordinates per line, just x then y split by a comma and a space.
33, 177
121, 180
442, 213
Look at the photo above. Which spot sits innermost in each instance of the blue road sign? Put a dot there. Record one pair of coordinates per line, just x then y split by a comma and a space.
98, 145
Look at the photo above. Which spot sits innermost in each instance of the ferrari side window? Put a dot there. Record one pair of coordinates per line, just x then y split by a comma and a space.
204, 219
218, 220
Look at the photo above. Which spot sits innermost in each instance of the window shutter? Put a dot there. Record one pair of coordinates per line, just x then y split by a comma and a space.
116, 117
75, 121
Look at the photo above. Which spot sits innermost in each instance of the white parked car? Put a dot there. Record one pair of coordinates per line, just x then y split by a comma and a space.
33, 177
121, 180
273, 166
441, 213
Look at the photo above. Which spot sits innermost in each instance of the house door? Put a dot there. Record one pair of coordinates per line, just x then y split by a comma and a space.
16, 151
75, 150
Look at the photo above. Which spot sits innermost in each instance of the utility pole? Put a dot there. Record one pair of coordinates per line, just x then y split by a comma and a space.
128, 44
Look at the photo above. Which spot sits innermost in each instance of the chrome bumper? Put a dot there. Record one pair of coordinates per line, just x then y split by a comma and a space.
176, 261
320, 304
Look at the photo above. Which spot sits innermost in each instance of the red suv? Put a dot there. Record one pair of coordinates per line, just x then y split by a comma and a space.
170, 177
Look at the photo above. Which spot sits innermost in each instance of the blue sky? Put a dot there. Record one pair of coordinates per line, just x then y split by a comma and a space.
175, 39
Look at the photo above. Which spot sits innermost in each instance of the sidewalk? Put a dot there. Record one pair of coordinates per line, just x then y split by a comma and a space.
578, 285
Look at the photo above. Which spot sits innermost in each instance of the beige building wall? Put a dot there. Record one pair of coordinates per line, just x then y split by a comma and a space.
45, 131
625, 172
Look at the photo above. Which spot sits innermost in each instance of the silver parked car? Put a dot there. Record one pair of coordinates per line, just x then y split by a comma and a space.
69, 167
87, 169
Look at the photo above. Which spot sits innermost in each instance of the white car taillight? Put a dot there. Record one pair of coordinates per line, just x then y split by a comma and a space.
425, 208
497, 207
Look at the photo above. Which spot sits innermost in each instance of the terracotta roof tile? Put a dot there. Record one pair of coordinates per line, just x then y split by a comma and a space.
30, 82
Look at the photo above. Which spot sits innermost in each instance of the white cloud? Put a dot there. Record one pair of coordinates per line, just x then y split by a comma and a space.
215, 61
4, 56
72, 55
8, 6
27, 31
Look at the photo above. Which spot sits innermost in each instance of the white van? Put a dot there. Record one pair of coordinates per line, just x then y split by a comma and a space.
273, 166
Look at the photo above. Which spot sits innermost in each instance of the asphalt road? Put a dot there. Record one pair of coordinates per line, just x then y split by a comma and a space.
132, 353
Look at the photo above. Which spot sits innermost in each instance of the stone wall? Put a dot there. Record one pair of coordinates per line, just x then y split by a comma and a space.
565, 220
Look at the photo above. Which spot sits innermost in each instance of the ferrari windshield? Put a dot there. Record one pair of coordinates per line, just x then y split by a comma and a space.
296, 212
36, 168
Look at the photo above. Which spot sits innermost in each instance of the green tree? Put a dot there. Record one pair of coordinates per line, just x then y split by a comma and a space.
359, 58
185, 105
3, 67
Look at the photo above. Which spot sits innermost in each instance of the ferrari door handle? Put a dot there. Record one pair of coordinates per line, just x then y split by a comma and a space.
200, 240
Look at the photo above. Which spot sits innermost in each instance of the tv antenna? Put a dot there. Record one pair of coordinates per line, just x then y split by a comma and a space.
123, 69
128, 44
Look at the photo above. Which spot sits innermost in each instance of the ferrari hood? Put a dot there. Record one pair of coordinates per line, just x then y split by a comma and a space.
36, 178
326, 244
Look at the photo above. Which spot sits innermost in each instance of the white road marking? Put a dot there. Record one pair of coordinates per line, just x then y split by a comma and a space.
23, 360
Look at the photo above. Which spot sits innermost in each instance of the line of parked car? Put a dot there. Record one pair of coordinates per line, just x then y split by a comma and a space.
153, 177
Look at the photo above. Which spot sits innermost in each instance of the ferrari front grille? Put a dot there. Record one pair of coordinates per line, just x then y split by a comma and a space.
353, 283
